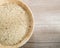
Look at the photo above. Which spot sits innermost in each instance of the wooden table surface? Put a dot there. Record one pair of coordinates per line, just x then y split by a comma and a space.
47, 24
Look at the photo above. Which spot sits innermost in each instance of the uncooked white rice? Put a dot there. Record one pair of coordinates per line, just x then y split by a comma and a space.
13, 24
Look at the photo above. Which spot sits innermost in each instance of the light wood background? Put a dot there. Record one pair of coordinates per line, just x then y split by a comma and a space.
47, 24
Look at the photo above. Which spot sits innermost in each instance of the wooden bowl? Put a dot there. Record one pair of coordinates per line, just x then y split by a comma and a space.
28, 35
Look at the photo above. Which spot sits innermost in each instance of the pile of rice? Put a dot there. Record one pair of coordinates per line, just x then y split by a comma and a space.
13, 24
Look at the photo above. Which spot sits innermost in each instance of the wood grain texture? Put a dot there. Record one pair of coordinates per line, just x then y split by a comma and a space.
47, 24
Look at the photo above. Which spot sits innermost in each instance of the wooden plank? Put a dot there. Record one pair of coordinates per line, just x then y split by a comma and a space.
47, 24
41, 45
